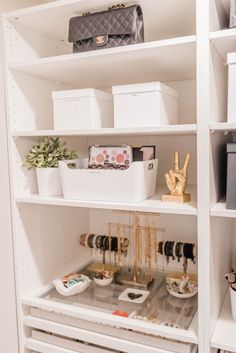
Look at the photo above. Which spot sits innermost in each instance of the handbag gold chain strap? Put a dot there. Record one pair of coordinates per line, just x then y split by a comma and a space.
118, 6
114, 7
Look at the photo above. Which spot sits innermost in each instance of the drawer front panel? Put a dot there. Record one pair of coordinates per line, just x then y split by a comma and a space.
113, 338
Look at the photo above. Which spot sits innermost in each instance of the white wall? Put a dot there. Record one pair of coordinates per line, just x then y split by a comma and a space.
8, 325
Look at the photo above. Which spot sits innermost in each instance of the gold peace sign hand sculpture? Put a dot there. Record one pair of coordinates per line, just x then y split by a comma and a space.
176, 181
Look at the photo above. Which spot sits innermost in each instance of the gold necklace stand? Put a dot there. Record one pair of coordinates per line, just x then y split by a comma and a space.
140, 274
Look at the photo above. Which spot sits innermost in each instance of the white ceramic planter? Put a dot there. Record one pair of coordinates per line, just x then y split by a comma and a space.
49, 181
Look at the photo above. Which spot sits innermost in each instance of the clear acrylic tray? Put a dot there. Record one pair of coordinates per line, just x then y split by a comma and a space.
160, 307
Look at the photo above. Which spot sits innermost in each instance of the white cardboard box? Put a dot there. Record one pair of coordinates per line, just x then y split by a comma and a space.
145, 105
233, 303
135, 184
231, 60
82, 109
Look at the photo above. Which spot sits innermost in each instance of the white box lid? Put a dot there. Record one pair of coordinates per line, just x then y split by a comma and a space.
81, 93
231, 58
145, 87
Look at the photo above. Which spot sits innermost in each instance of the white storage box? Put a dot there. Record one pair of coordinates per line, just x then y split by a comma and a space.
135, 184
82, 109
231, 87
145, 105
233, 303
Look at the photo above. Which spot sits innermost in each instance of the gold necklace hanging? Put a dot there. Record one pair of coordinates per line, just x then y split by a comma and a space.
155, 240
136, 251
138, 247
109, 238
119, 244
148, 249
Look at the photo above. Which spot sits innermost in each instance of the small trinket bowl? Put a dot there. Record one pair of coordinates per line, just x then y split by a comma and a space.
181, 287
103, 278
71, 284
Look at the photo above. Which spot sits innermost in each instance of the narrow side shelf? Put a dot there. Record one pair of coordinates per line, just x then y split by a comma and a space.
154, 204
224, 334
224, 41
220, 210
153, 61
162, 130
225, 127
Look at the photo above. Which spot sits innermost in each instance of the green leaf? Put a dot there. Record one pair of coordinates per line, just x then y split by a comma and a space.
47, 153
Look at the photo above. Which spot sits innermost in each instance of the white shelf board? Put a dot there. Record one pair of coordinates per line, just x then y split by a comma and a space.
164, 60
220, 210
154, 204
159, 21
224, 41
223, 127
224, 336
162, 130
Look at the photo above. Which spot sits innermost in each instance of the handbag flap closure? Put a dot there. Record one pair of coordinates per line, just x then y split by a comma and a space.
100, 25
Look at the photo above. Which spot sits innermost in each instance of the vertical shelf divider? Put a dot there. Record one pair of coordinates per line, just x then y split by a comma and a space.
203, 172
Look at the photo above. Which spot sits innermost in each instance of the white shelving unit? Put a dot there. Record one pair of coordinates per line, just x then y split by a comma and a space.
186, 46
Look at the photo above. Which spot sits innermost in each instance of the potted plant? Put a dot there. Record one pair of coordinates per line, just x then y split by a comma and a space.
45, 157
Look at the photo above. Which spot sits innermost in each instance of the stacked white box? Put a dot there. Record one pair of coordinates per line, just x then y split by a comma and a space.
82, 109
231, 60
145, 105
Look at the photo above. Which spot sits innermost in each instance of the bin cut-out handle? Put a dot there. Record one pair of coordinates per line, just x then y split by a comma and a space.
76, 163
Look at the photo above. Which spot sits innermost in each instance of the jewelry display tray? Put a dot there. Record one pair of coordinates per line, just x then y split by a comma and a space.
160, 307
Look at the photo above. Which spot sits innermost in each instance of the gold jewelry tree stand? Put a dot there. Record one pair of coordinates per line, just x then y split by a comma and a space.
144, 248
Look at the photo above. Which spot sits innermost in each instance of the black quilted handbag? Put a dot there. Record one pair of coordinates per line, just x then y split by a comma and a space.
117, 26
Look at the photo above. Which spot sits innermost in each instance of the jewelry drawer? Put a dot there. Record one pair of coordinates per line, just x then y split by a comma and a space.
68, 335
47, 343
43, 342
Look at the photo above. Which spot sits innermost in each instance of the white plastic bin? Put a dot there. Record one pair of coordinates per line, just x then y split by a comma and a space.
82, 109
231, 59
135, 184
144, 105
233, 303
